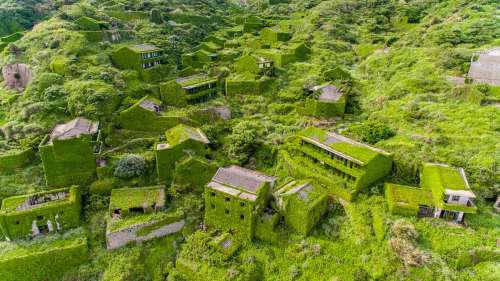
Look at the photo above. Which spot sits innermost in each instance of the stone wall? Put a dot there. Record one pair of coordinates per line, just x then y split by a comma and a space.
120, 238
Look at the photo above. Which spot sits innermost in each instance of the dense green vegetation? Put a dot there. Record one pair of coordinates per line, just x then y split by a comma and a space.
391, 57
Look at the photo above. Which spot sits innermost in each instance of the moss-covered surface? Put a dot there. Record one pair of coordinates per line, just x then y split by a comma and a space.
40, 259
63, 214
392, 58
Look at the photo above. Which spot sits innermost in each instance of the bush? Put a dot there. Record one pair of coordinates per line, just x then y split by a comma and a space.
371, 131
130, 166
102, 186
242, 142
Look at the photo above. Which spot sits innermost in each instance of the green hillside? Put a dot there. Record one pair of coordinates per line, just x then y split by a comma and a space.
396, 62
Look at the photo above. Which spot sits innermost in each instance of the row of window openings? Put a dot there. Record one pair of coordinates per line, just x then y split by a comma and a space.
202, 88
242, 217
150, 64
336, 171
454, 198
265, 65
333, 156
202, 98
227, 199
151, 55
39, 218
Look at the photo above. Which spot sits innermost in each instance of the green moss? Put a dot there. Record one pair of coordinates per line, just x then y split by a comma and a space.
16, 223
145, 197
12, 160
43, 259
61, 65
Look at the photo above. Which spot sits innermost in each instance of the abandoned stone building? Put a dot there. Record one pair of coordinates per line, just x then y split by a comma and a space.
275, 34
40, 213
69, 152
137, 214
485, 67
301, 204
189, 90
199, 58
235, 198
444, 192
181, 141
254, 64
343, 165
326, 101
138, 57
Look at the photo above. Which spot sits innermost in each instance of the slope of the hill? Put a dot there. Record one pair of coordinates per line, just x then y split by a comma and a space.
399, 53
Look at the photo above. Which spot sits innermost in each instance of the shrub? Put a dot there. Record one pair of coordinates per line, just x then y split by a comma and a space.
371, 131
242, 142
102, 186
130, 166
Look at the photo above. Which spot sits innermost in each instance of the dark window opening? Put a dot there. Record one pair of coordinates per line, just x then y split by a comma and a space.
242, 204
213, 193
228, 199
39, 217
136, 210
227, 211
242, 217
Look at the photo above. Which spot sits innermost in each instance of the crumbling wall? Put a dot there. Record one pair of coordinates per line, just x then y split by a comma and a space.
120, 238
17, 76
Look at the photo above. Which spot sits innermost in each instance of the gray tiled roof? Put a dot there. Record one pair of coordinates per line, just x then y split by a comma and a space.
330, 93
486, 69
248, 180
145, 47
196, 134
149, 105
74, 128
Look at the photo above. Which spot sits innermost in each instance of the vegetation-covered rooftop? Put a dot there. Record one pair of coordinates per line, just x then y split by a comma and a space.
358, 152
126, 198
181, 133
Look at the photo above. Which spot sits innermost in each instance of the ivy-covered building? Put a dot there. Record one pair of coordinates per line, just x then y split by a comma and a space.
147, 115
254, 64
326, 101
15, 158
181, 141
285, 54
90, 24
246, 84
138, 57
199, 58
69, 153
189, 90
137, 214
235, 198
301, 203
275, 34
40, 213
342, 165
252, 23
444, 192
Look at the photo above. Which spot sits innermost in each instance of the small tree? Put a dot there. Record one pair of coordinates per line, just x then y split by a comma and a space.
242, 142
371, 131
130, 166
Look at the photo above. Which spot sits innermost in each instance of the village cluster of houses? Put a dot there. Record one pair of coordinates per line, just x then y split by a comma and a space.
320, 165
